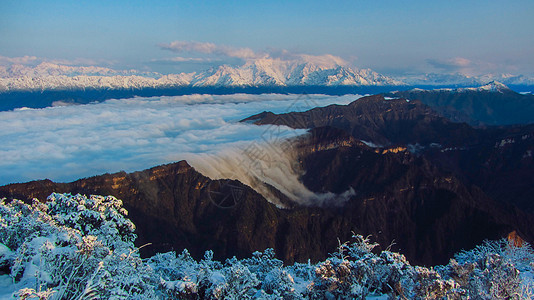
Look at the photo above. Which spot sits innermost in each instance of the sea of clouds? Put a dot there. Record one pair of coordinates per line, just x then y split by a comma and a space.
66, 143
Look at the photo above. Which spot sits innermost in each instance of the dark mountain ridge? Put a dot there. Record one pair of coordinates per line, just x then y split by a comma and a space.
492, 104
380, 121
172, 210
429, 199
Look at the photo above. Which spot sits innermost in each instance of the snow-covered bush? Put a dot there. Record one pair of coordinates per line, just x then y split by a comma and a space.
72, 247
494, 270
355, 271
181, 277
78, 247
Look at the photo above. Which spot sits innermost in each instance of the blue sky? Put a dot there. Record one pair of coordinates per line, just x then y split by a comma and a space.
392, 37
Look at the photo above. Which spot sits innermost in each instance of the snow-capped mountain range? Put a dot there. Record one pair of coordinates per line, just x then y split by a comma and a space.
258, 72
267, 71
464, 80
493, 86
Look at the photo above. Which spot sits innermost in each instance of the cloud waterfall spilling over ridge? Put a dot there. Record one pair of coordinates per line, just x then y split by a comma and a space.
263, 164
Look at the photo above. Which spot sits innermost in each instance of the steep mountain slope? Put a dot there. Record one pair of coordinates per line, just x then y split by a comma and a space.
399, 197
397, 191
490, 104
171, 208
502, 167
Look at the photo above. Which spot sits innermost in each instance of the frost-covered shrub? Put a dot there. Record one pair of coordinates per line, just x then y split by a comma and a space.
181, 277
354, 271
19, 221
72, 246
276, 280
493, 270
95, 215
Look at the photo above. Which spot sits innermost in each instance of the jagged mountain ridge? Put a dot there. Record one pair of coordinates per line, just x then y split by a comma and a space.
496, 159
397, 188
54, 69
258, 72
289, 73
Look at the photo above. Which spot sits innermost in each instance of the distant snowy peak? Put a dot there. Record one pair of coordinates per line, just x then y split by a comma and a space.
439, 79
465, 80
275, 72
494, 86
508, 79
262, 72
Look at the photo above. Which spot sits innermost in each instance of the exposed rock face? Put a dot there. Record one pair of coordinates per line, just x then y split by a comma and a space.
171, 208
453, 174
503, 166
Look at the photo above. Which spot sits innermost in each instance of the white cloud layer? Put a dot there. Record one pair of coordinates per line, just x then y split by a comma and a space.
70, 142
179, 59
211, 48
248, 54
451, 64
4, 60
